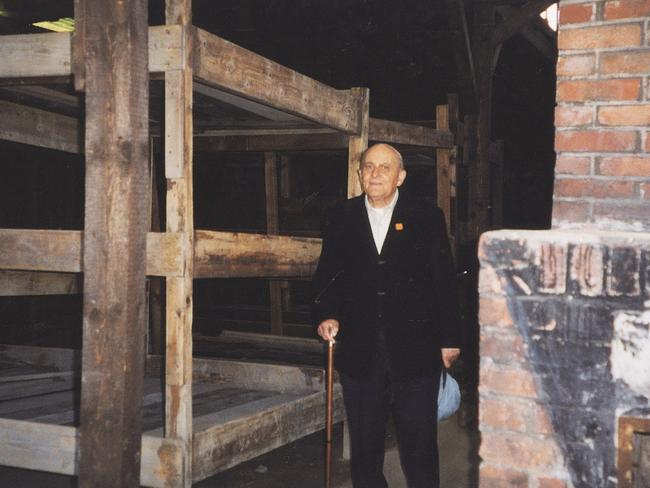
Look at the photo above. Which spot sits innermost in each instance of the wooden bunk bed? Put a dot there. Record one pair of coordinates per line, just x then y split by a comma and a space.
209, 414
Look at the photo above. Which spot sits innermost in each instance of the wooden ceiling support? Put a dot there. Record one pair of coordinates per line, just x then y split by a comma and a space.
224, 65
27, 125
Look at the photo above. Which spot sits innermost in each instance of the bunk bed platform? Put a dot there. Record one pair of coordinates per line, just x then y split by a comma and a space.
240, 410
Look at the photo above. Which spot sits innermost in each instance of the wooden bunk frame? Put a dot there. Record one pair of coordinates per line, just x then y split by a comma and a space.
50, 261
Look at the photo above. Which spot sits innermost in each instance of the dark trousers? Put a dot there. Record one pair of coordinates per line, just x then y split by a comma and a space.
368, 402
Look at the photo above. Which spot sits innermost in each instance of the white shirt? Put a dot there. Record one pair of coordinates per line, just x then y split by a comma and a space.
380, 220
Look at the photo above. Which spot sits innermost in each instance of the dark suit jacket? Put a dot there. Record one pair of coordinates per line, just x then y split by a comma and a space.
409, 290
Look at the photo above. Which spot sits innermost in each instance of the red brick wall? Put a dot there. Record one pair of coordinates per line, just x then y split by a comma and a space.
603, 115
560, 312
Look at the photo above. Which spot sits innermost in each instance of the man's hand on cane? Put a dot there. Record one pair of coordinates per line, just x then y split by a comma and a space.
328, 329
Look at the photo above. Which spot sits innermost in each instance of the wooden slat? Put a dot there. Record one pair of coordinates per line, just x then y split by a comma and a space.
180, 218
231, 254
60, 250
49, 54
225, 65
359, 141
21, 283
443, 174
115, 242
36, 127
54, 448
408, 134
267, 425
273, 228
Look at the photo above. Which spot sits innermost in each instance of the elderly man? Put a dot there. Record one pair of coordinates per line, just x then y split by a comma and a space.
385, 289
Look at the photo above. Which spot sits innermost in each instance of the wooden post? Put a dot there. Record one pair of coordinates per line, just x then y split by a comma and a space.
497, 174
443, 160
114, 248
273, 228
180, 219
470, 163
156, 313
486, 55
358, 142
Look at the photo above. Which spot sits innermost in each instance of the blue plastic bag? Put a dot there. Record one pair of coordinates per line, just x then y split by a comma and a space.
448, 396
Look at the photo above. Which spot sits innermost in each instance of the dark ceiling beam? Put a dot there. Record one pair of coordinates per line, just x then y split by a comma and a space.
463, 54
536, 32
512, 24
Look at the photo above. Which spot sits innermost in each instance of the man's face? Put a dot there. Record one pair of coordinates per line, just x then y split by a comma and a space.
381, 174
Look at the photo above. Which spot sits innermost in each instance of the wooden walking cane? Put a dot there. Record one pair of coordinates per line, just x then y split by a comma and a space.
329, 414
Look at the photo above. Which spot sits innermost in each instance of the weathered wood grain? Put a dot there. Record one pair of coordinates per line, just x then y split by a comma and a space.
225, 65
115, 239
61, 250
271, 142
443, 162
27, 125
50, 54
229, 254
359, 141
259, 428
21, 283
180, 219
409, 134
55, 448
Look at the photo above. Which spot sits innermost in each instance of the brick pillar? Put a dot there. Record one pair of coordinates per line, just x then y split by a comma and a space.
564, 315
603, 115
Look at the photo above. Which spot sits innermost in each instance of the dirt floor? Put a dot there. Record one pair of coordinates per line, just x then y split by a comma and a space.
300, 465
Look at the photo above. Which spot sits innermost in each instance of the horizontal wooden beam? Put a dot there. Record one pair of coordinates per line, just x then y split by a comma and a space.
320, 139
260, 143
61, 250
54, 448
231, 254
28, 125
22, 283
49, 55
229, 67
217, 254
408, 134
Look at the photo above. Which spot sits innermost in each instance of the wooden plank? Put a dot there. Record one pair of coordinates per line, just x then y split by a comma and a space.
115, 240
226, 66
245, 104
50, 357
55, 449
165, 48
408, 134
267, 425
180, 218
273, 228
22, 283
60, 250
50, 54
233, 254
443, 161
27, 125
359, 141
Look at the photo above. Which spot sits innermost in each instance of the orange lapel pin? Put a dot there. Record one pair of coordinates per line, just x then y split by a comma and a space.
399, 226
